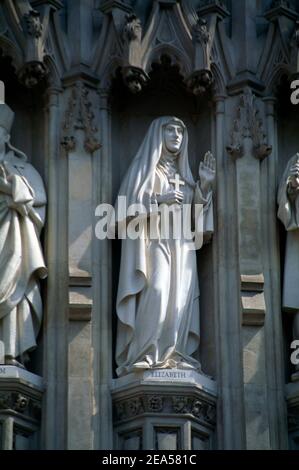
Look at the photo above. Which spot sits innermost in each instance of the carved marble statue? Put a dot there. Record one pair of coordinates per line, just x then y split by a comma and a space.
158, 294
288, 213
22, 215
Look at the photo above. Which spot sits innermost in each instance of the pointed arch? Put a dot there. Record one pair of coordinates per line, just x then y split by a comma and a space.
176, 55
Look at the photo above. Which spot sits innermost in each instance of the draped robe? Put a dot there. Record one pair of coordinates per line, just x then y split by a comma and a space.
158, 293
21, 258
288, 213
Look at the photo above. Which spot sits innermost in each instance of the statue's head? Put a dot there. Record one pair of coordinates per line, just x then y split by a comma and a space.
173, 133
6, 121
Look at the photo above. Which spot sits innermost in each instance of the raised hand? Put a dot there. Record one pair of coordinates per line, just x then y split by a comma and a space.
294, 175
207, 172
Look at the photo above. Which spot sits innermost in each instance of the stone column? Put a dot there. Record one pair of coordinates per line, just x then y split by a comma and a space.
230, 403
275, 375
81, 146
7, 434
252, 132
56, 305
253, 308
102, 292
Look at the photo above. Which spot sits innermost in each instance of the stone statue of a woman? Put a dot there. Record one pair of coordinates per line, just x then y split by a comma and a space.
288, 213
158, 294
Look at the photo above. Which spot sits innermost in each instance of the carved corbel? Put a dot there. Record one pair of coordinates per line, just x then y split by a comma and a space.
202, 78
134, 76
34, 68
79, 115
35, 29
203, 34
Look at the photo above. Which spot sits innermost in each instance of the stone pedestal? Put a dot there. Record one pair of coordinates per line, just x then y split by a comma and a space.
20, 408
292, 393
164, 409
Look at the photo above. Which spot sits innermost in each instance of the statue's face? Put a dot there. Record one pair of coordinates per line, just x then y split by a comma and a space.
173, 137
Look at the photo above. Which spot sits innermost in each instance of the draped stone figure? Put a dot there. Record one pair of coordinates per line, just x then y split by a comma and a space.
158, 292
288, 213
22, 216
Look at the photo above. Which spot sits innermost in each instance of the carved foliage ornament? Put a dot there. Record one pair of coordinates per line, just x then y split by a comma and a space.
198, 408
248, 124
79, 115
132, 28
133, 407
200, 82
135, 78
32, 73
201, 32
33, 24
20, 403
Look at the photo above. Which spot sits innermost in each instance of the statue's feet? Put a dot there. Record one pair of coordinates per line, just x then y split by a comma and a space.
11, 361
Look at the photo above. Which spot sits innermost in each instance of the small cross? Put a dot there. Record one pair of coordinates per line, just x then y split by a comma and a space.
177, 182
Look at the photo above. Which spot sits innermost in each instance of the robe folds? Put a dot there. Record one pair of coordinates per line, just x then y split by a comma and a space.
288, 213
158, 292
21, 259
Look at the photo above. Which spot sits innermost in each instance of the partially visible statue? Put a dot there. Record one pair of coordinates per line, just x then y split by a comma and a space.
288, 213
22, 216
158, 293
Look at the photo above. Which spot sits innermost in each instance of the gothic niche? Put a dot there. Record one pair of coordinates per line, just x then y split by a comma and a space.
288, 147
27, 135
165, 94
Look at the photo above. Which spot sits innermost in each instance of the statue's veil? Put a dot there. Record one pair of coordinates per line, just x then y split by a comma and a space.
18, 153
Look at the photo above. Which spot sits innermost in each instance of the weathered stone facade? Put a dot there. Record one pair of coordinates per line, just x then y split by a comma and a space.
85, 78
